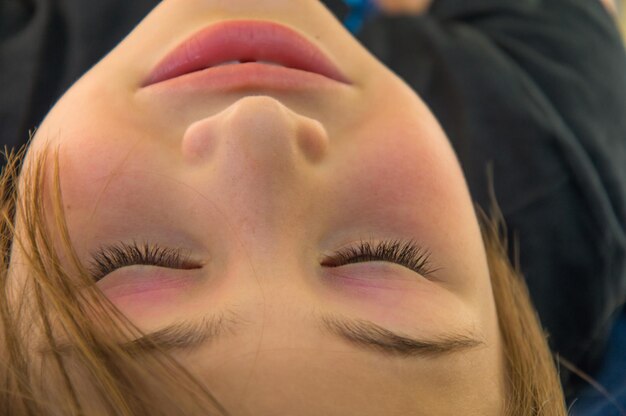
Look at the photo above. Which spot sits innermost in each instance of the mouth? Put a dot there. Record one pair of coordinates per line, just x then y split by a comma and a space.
240, 42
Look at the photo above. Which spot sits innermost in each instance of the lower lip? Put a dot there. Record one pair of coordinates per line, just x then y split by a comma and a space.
248, 75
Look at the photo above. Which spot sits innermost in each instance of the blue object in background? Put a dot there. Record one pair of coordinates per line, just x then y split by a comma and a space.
360, 10
612, 376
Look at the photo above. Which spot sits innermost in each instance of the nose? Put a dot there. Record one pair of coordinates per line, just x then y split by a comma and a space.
258, 158
259, 129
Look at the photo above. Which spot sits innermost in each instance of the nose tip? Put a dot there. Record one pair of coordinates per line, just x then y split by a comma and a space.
259, 128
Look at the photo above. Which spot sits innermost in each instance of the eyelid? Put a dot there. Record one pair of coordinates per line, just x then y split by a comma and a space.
110, 258
407, 253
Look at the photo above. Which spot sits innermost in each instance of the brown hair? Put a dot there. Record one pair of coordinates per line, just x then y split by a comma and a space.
70, 365
534, 386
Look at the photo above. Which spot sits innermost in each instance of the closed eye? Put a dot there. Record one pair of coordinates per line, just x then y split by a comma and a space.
110, 258
406, 253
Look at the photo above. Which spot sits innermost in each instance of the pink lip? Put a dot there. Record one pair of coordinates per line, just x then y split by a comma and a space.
245, 40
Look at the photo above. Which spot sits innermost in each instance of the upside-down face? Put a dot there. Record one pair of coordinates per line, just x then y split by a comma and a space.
323, 214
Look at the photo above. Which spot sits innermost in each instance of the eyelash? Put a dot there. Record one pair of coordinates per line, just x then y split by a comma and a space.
406, 253
111, 258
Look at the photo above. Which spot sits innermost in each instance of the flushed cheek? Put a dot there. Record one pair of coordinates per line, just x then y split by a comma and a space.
94, 159
415, 177
100, 132
416, 165
405, 181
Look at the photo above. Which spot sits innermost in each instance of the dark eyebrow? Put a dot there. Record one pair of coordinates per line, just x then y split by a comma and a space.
364, 334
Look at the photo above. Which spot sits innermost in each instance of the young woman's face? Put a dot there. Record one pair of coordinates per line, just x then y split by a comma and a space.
262, 185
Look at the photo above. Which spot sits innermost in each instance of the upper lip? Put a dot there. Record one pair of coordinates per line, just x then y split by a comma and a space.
244, 40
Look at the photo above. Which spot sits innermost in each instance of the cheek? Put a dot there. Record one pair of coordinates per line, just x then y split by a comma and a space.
86, 167
101, 132
98, 151
412, 169
89, 163
404, 178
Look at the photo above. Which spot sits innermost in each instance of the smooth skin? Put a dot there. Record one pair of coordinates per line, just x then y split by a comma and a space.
260, 185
